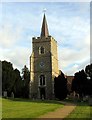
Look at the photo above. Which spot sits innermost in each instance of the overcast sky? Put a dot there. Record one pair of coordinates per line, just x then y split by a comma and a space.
68, 23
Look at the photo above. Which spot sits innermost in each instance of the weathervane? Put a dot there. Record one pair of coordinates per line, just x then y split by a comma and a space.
44, 10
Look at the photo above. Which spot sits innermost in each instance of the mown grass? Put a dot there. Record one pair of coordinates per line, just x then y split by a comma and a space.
82, 111
24, 108
0, 108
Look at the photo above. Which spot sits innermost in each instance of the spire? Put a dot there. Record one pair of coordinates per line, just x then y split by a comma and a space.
44, 29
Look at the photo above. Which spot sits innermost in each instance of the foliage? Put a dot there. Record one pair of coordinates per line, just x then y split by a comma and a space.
60, 87
79, 82
7, 77
88, 70
26, 80
13, 82
0, 78
82, 82
18, 85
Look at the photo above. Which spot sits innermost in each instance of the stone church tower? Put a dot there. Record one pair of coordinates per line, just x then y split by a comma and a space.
43, 64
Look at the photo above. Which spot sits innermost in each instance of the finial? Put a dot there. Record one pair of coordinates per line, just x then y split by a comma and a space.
44, 10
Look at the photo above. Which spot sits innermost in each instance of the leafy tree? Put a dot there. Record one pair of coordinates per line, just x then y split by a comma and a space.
18, 85
7, 77
26, 80
0, 78
88, 70
11, 80
80, 84
60, 87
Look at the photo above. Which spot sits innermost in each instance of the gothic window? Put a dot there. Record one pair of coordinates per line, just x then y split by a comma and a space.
41, 50
42, 80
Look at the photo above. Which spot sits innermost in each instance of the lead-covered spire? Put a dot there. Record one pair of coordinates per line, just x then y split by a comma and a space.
44, 29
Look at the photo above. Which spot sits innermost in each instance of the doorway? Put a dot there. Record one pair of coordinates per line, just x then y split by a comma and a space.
42, 93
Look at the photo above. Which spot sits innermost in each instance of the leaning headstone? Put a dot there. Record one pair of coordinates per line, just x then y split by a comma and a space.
5, 94
12, 95
90, 100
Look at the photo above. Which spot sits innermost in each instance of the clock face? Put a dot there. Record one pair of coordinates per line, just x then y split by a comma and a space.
41, 64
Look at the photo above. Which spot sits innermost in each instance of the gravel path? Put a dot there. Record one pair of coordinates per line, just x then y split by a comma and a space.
60, 112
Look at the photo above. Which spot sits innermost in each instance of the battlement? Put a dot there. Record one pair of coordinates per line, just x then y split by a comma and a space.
38, 39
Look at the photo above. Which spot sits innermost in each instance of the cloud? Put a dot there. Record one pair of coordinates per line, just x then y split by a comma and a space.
77, 67
66, 23
9, 35
71, 60
19, 56
73, 37
71, 31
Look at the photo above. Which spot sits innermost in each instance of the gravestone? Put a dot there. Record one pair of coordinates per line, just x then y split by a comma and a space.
5, 94
12, 95
90, 100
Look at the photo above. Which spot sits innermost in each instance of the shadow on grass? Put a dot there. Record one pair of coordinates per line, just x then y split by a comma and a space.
77, 102
35, 101
63, 102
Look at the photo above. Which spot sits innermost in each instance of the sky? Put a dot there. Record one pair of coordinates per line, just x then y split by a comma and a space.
68, 23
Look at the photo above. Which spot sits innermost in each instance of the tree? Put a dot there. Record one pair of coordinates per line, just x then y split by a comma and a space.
18, 85
7, 77
88, 70
0, 78
60, 87
80, 83
26, 80
11, 80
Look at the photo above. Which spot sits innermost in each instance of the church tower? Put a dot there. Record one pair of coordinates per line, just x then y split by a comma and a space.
43, 64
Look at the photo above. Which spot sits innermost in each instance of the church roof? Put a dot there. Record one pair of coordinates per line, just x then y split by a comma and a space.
69, 79
44, 29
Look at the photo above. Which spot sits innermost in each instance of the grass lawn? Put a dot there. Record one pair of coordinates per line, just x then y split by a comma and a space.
83, 110
25, 108
0, 108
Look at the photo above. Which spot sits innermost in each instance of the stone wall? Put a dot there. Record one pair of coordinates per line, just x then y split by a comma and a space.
49, 68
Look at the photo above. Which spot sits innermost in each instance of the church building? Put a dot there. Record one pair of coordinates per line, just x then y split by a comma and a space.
43, 64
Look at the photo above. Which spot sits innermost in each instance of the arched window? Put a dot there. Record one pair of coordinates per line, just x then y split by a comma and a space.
42, 80
41, 50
